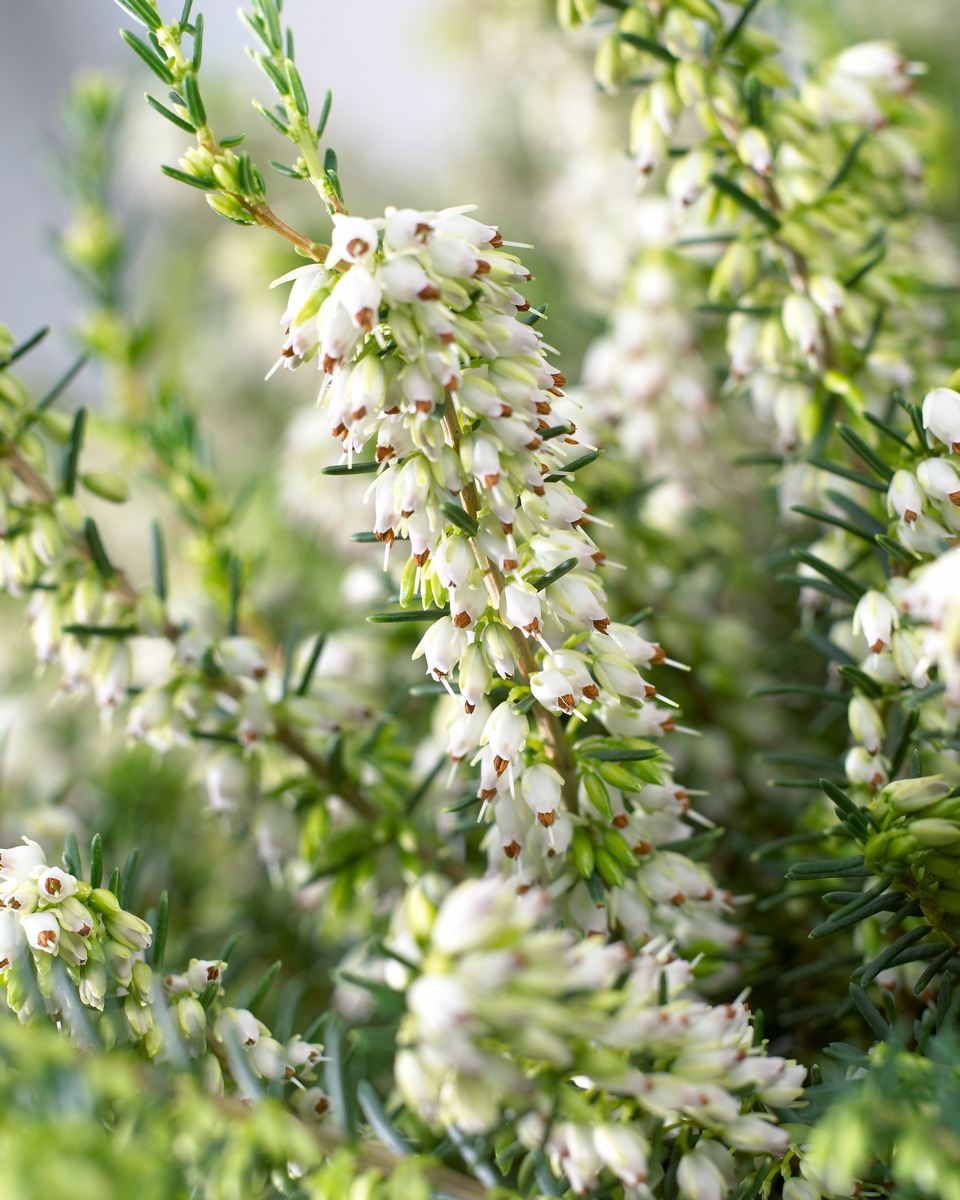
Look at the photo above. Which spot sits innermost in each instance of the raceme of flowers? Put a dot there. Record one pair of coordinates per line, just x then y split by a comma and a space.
609, 1043
66, 946
417, 323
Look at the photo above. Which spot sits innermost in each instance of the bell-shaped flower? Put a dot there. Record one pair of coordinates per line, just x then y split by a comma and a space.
801, 324
939, 480
904, 496
875, 617
443, 646
542, 788
42, 931
941, 415
54, 885
506, 734
354, 240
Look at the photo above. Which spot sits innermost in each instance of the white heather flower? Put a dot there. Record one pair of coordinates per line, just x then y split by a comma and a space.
202, 972
827, 294
941, 415
904, 496
753, 147
802, 324
111, 675
939, 480
624, 1150
706, 1172
506, 734
520, 606
554, 689
860, 766
865, 722
354, 240
54, 885
11, 937
242, 657
18, 862
227, 781
688, 177
42, 930
755, 1134
879, 61
542, 787
442, 646
875, 617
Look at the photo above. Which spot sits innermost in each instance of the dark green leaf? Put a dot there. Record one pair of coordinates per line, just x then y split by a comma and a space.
648, 46
72, 458
71, 855
128, 879
460, 518
870, 1013
392, 618
324, 114
577, 465
198, 42
147, 55
95, 546
737, 27
96, 860
297, 90
356, 468
744, 201
266, 983
558, 572
204, 185
304, 685
373, 1110
169, 114
160, 931
142, 12
865, 452
845, 167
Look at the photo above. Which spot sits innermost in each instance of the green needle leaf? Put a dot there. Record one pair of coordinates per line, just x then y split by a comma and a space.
147, 55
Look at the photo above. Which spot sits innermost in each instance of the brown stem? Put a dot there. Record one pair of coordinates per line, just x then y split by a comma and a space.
264, 215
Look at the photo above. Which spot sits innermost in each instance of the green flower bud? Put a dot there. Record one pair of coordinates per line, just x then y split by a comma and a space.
911, 795
581, 852
106, 485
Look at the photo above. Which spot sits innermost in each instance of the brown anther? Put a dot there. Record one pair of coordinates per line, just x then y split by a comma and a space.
422, 231
384, 452
250, 1042
649, 690
507, 527
289, 1073
491, 480
359, 413
213, 973
526, 275
487, 794
423, 406
258, 673
677, 899
406, 512
621, 820
522, 889
877, 646
707, 895
512, 850
642, 848
46, 937
542, 424
386, 536
330, 364
364, 318
591, 691
500, 764
482, 268
462, 620
4, 963
52, 886
468, 708
551, 853
420, 559
659, 654
543, 407
447, 339
539, 491
668, 725
567, 702
544, 469
554, 391
533, 443
601, 627
506, 410
496, 240
357, 246
559, 380
429, 293
321, 1106
339, 430
391, 412
84, 930
954, 498
546, 819
15, 903
510, 564
288, 352
524, 307
452, 385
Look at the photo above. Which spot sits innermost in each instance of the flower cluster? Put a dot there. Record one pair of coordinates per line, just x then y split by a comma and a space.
417, 323
588, 1044
59, 919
